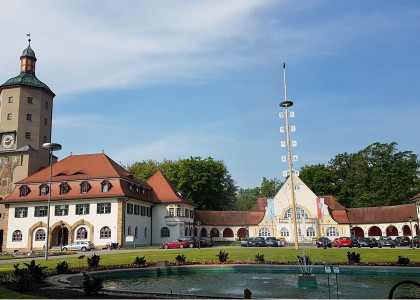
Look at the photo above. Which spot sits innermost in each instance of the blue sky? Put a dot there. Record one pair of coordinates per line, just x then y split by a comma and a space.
173, 79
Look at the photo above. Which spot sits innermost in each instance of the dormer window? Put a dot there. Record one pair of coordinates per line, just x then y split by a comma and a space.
24, 191
130, 187
106, 186
64, 188
43, 190
137, 189
84, 187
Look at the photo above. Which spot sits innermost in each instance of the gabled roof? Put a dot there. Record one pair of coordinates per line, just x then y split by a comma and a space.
260, 204
163, 191
383, 214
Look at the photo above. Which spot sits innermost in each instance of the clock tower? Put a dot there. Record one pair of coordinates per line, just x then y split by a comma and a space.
25, 123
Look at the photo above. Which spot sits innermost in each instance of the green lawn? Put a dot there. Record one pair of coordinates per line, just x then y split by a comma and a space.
235, 254
6, 294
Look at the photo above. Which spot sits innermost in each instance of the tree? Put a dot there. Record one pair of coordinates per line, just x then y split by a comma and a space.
206, 182
378, 175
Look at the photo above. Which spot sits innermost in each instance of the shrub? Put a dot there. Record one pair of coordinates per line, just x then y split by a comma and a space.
62, 267
259, 258
91, 286
180, 258
139, 261
94, 261
353, 257
304, 260
223, 256
403, 260
35, 271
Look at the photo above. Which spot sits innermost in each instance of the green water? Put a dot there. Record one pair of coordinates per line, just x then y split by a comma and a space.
267, 282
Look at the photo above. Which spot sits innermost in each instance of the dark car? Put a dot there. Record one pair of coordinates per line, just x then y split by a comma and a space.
244, 243
271, 241
402, 241
192, 241
256, 242
386, 241
374, 242
416, 241
323, 241
354, 241
209, 241
367, 242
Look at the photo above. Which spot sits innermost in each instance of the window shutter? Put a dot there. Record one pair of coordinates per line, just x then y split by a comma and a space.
108, 207
98, 208
66, 210
77, 209
16, 212
57, 207
87, 208
36, 211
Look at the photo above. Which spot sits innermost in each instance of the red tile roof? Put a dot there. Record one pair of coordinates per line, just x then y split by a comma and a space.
260, 204
384, 214
229, 218
163, 191
93, 168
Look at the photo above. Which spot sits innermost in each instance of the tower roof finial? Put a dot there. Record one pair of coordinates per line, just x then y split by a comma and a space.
29, 38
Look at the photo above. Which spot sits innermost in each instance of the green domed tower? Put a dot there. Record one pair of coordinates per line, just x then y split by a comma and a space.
25, 123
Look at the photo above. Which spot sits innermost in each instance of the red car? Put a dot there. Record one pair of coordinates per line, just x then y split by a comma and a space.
175, 244
344, 242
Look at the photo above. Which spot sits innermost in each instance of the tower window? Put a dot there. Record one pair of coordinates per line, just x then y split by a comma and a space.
28, 135
29, 117
30, 100
9, 116
46, 105
45, 121
10, 99
44, 139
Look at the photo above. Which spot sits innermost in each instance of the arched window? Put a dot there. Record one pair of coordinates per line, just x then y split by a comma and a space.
43, 190
106, 186
165, 232
84, 187
284, 231
227, 232
300, 213
332, 231
310, 232
64, 188
81, 233
129, 230
136, 231
105, 232
264, 232
17, 236
214, 232
40, 235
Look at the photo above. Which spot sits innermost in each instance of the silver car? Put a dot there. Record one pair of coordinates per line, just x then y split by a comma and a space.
79, 246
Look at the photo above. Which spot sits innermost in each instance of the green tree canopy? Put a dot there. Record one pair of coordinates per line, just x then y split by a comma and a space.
246, 198
206, 182
378, 175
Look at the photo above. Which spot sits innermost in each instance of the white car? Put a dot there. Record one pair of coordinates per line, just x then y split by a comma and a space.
77, 246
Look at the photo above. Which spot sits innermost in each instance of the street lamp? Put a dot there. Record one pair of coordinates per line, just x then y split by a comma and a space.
50, 147
199, 233
410, 219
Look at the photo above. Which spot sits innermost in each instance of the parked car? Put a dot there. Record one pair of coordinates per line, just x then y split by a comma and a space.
354, 241
402, 241
335, 242
416, 241
374, 242
256, 242
271, 241
344, 242
192, 242
175, 244
208, 241
367, 242
323, 241
79, 246
386, 241
244, 242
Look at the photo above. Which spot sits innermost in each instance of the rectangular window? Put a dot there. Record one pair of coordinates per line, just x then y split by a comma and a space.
191, 214
129, 208
30, 100
44, 139
143, 210
61, 210
148, 211
29, 117
82, 209
46, 105
9, 116
136, 209
28, 135
171, 212
41, 211
103, 208
45, 121
10, 99
21, 212
178, 211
